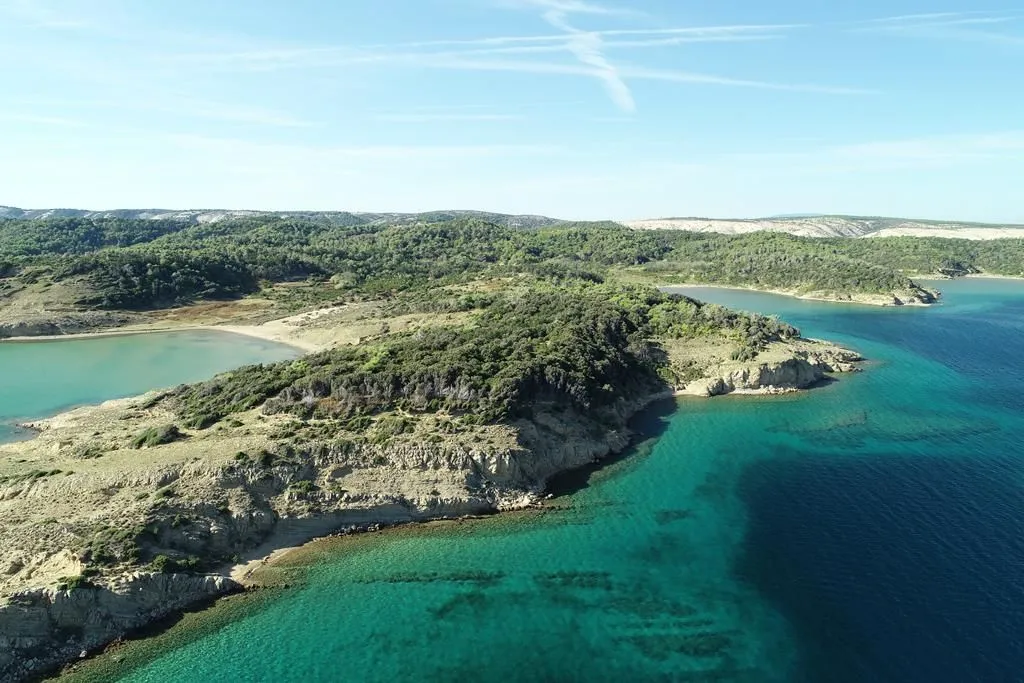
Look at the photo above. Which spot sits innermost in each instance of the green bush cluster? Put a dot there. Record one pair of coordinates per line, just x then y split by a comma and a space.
73, 583
585, 346
109, 545
169, 565
157, 436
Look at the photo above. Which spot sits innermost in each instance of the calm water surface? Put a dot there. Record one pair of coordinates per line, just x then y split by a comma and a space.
38, 379
868, 531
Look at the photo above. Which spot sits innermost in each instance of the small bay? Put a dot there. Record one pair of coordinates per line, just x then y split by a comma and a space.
867, 530
41, 378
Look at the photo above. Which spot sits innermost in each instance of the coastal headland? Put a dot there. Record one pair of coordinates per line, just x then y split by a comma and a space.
115, 515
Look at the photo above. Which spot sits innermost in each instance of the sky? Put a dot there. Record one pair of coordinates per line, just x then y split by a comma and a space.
579, 109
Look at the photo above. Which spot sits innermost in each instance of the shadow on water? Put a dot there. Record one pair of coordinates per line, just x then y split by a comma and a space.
647, 426
892, 568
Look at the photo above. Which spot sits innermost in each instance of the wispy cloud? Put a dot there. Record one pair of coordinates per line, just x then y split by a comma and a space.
708, 32
587, 47
710, 79
229, 112
564, 49
48, 121
939, 148
568, 6
179, 105
589, 50
930, 16
328, 56
931, 152
970, 26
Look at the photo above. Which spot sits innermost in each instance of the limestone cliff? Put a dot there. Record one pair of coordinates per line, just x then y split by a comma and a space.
45, 627
807, 366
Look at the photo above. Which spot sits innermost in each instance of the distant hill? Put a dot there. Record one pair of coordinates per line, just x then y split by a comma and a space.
835, 226
806, 225
336, 217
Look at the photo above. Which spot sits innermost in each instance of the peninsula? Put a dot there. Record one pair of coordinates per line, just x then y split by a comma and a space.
454, 364
463, 402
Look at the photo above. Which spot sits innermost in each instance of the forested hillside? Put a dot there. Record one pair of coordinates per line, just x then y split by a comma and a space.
144, 264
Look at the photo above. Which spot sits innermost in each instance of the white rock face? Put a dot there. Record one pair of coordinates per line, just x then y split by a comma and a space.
778, 377
833, 226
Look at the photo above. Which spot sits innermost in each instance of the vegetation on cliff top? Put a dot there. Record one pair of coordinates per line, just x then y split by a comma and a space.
582, 346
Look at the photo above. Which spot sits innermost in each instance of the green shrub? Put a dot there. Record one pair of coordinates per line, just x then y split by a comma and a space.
157, 436
73, 583
303, 486
167, 565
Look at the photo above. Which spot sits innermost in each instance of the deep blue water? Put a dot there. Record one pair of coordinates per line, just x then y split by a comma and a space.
867, 531
902, 559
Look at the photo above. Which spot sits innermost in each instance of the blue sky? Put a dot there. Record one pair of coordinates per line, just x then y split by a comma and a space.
573, 108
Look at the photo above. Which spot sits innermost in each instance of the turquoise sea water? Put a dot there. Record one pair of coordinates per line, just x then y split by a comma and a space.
38, 379
867, 531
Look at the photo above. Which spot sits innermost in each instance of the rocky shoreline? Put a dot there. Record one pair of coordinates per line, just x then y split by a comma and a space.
42, 628
45, 627
207, 506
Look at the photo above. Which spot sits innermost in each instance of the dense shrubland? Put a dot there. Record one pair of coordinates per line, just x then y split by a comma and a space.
138, 264
584, 347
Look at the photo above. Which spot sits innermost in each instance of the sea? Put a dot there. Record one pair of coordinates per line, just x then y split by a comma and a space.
868, 530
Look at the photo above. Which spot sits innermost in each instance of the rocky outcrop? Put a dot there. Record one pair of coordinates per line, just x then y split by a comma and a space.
44, 628
791, 375
804, 369
915, 296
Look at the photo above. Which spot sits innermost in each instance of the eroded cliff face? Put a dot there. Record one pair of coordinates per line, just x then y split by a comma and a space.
45, 627
239, 508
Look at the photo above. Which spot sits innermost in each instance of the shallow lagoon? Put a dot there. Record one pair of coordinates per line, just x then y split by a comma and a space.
39, 379
865, 531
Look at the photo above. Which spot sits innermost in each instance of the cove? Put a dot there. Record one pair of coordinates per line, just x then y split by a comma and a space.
864, 531
43, 378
